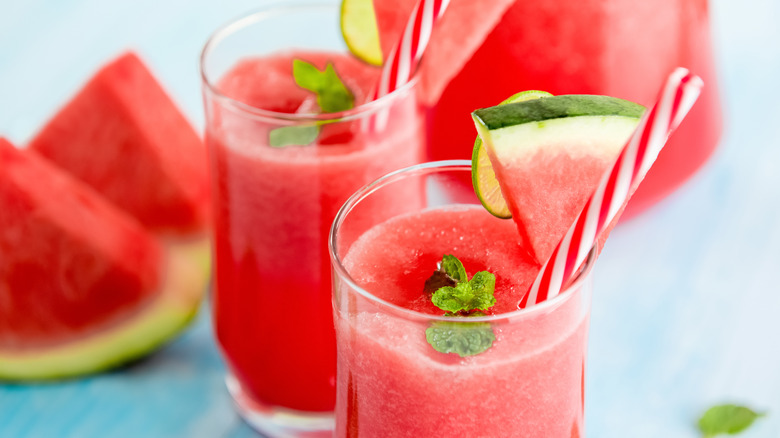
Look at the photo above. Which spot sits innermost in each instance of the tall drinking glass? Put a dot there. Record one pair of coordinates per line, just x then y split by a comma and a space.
404, 367
280, 169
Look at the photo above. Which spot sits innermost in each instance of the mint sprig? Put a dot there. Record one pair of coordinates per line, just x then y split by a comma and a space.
726, 419
461, 297
332, 96
467, 295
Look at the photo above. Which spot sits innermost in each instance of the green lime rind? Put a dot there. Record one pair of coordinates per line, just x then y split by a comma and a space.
483, 176
556, 107
185, 285
525, 95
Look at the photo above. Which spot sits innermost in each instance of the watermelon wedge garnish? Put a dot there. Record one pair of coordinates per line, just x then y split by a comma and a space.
83, 286
549, 154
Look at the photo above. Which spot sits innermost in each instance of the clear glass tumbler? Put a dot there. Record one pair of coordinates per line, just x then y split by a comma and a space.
395, 371
280, 170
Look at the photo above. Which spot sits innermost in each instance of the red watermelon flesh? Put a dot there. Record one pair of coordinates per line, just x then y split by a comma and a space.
123, 135
547, 192
70, 262
458, 33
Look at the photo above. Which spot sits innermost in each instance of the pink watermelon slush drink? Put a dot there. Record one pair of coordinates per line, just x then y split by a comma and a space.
619, 48
274, 205
392, 381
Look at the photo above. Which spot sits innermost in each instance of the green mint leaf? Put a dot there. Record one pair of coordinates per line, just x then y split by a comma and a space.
483, 283
293, 136
462, 338
454, 268
465, 297
453, 299
726, 419
332, 95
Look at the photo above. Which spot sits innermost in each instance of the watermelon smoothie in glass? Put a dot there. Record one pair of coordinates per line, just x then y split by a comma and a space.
620, 48
393, 378
274, 202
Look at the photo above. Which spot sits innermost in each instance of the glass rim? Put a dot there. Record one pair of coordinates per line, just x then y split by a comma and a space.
584, 273
258, 15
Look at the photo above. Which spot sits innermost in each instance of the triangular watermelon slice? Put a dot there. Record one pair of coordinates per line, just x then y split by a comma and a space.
123, 135
550, 154
83, 287
455, 37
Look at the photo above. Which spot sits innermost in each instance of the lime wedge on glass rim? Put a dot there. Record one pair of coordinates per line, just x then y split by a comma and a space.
360, 31
483, 177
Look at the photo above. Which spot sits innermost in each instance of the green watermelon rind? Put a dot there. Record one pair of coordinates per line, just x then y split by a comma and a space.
517, 130
515, 142
556, 107
153, 326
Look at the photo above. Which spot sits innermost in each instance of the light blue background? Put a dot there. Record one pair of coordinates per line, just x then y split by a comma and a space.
687, 305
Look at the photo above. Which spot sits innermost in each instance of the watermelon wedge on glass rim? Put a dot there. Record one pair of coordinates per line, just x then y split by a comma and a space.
548, 155
83, 286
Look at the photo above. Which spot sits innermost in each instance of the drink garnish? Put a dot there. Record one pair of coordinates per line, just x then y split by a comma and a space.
461, 297
483, 176
360, 31
467, 295
726, 419
332, 97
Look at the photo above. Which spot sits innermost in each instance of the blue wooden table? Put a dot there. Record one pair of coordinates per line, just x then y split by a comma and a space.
687, 305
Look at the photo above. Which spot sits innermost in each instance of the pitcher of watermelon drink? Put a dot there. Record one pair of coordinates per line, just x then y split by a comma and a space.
289, 133
620, 48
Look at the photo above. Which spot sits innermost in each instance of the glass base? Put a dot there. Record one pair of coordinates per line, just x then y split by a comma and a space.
275, 421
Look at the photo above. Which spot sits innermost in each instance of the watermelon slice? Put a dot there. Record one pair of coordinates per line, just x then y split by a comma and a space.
83, 287
549, 155
122, 135
454, 39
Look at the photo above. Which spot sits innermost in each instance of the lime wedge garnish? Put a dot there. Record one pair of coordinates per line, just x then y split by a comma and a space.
358, 26
483, 177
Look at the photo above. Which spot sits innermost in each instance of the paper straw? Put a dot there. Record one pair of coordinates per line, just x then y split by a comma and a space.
407, 52
617, 185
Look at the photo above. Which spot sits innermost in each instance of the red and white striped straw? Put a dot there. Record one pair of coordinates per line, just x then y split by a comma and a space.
616, 186
407, 52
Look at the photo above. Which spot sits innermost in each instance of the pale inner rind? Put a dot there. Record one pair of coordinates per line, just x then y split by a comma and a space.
595, 136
